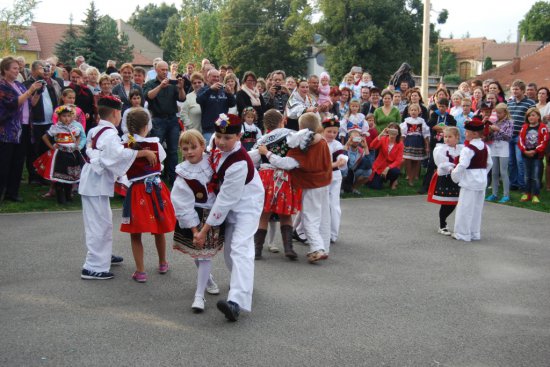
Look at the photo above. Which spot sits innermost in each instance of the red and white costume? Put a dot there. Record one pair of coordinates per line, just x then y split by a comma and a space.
147, 206
471, 175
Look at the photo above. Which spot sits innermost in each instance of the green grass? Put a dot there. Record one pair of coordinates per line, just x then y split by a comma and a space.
403, 189
33, 201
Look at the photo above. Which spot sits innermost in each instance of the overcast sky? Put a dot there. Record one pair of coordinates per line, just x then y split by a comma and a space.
494, 19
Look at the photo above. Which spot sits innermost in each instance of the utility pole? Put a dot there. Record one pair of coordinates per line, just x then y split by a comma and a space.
426, 49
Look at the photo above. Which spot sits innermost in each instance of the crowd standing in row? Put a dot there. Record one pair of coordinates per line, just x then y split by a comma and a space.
308, 139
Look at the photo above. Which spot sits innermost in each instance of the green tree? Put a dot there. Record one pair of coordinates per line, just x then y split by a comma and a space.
378, 35
255, 36
13, 22
89, 41
113, 45
171, 37
536, 24
488, 63
100, 40
442, 61
67, 49
151, 21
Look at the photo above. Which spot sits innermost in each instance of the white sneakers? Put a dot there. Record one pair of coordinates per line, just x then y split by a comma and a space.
198, 304
273, 248
212, 287
444, 231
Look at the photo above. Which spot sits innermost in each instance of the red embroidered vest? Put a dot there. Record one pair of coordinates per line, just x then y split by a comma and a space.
239, 155
479, 160
141, 168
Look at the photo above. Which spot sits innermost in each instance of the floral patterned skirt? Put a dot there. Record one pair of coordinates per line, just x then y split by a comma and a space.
183, 238
280, 197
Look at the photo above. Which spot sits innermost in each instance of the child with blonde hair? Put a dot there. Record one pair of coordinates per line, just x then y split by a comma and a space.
353, 120
192, 203
416, 135
442, 189
251, 132
499, 141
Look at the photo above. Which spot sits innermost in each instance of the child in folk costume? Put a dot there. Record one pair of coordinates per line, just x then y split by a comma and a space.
193, 201
281, 196
339, 156
353, 120
417, 142
108, 160
147, 206
471, 175
311, 169
62, 164
239, 201
442, 189
251, 132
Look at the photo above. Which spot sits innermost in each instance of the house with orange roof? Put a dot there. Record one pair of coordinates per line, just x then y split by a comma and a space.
28, 45
534, 67
472, 52
49, 34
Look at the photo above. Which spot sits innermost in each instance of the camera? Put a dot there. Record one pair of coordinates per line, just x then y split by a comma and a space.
278, 87
356, 139
173, 81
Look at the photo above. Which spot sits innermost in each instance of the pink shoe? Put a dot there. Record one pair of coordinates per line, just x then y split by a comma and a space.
163, 268
140, 277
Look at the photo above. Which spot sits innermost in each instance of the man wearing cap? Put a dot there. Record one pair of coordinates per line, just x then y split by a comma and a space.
108, 159
471, 175
162, 96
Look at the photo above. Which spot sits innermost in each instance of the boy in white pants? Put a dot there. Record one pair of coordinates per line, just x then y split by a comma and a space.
339, 157
471, 175
108, 160
310, 168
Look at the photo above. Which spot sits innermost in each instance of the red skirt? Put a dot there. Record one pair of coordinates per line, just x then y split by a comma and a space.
443, 190
60, 166
280, 197
143, 218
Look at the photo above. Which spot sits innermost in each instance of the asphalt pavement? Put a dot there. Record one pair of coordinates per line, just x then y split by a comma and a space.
392, 293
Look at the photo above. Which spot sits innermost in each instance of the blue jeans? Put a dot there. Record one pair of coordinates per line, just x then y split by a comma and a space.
516, 170
168, 130
533, 168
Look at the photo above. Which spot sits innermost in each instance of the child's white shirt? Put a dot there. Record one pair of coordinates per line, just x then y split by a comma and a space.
472, 179
183, 197
441, 159
415, 121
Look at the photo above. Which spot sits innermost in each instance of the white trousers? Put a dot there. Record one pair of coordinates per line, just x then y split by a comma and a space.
239, 258
98, 227
316, 218
468, 214
335, 210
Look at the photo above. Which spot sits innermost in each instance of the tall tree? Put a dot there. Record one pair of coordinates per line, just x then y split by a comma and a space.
151, 21
13, 22
67, 49
100, 41
378, 35
255, 36
90, 39
536, 24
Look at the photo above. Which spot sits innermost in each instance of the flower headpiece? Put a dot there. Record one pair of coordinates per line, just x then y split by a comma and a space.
228, 124
331, 121
63, 109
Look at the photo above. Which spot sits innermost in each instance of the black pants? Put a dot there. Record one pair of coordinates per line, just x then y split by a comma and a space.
378, 181
29, 152
12, 159
37, 132
444, 213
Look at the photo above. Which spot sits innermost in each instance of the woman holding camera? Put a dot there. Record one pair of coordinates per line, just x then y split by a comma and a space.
15, 105
389, 159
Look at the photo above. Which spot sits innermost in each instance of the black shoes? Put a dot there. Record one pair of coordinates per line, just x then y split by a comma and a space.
116, 260
230, 309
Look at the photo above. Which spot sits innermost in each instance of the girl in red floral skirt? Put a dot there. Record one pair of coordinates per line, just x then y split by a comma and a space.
280, 196
147, 206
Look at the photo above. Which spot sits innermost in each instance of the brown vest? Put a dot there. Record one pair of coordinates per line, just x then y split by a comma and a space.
315, 166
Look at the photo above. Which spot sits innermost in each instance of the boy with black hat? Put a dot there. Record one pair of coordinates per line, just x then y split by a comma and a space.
239, 202
108, 159
471, 175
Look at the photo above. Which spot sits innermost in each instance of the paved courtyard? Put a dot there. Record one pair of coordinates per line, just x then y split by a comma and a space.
393, 293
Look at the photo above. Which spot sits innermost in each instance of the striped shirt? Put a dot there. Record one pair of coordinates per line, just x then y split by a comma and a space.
518, 110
